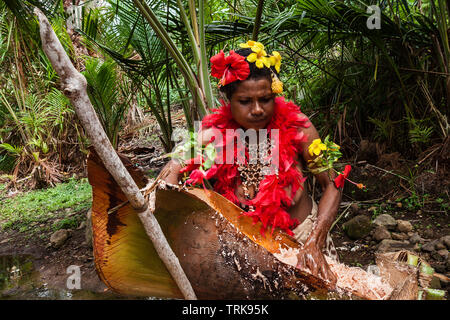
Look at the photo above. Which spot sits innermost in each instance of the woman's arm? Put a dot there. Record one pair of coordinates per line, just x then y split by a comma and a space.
331, 197
311, 256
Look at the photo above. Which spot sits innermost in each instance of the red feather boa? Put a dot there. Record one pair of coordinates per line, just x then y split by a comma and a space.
272, 201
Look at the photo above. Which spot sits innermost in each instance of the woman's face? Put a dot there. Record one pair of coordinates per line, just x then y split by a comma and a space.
252, 103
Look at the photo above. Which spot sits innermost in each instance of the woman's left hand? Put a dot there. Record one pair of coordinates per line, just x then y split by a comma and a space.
311, 258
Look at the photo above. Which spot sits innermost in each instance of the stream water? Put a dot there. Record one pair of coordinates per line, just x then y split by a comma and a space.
20, 281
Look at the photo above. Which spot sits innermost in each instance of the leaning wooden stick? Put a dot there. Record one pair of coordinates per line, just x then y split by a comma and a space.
74, 87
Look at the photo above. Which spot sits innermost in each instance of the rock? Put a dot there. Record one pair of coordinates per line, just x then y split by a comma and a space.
381, 233
367, 151
399, 236
443, 253
388, 245
446, 241
389, 160
358, 227
58, 238
385, 220
415, 238
440, 245
436, 256
82, 225
404, 226
438, 267
435, 283
354, 207
429, 247
428, 233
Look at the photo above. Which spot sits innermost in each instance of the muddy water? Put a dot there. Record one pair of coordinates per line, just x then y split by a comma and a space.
20, 281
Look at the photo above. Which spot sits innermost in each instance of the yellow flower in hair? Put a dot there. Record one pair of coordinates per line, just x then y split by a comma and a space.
259, 57
277, 85
251, 44
275, 60
316, 147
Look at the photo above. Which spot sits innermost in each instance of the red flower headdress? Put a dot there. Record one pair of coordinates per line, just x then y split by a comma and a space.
230, 68
235, 67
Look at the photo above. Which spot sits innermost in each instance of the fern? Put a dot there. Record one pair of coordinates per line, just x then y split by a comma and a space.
104, 93
59, 107
420, 133
15, 150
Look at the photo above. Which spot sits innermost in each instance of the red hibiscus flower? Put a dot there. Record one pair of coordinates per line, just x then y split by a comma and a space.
230, 68
339, 181
196, 177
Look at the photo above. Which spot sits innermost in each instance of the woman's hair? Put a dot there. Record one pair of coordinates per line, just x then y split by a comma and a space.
255, 73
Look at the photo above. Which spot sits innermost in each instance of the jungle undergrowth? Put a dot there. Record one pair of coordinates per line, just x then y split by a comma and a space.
30, 212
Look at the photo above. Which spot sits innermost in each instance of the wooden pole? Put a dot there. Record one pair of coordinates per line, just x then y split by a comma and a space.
74, 87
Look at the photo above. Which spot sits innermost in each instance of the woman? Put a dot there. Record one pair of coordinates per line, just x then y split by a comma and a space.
249, 80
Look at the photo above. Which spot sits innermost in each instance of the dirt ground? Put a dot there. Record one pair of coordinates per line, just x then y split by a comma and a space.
52, 263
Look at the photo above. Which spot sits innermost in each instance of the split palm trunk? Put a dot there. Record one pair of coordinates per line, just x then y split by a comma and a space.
74, 87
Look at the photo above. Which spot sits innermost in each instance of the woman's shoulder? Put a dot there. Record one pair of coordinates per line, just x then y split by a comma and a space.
291, 110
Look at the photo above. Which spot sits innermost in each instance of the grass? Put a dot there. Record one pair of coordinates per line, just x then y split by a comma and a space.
66, 223
25, 211
2, 190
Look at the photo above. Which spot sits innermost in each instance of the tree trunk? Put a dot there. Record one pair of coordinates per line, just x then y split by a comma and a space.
257, 25
74, 87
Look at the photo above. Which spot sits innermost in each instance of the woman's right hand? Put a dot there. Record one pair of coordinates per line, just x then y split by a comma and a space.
171, 172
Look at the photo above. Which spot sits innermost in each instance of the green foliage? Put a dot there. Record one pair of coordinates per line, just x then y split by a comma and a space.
38, 206
106, 92
36, 119
392, 77
387, 84
7, 163
11, 149
66, 223
420, 133
414, 201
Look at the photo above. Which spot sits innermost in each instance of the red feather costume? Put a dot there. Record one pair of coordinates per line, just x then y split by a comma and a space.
272, 200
